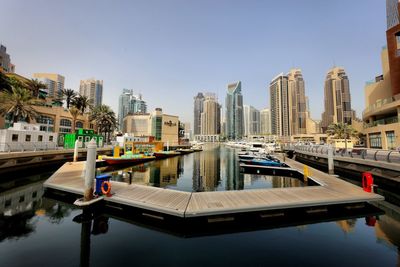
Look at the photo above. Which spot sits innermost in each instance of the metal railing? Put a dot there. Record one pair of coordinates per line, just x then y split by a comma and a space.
27, 146
389, 156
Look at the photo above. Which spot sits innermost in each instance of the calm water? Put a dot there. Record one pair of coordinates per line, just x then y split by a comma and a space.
39, 231
214, 169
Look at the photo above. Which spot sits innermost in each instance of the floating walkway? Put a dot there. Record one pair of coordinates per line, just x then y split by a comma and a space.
332, 191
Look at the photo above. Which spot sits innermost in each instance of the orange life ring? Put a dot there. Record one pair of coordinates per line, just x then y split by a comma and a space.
103, 190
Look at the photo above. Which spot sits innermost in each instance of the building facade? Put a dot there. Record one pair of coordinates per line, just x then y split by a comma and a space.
279, 103
5, 60
337, 100
393, 43
251, 120
297, 102
234, 111
128, 102
93, 90
54, 83
198, 109
265, 121
163, 127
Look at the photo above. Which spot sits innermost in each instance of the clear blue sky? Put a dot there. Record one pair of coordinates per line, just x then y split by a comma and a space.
170, 50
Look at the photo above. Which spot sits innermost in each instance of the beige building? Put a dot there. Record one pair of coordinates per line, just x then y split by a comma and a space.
265, 121
297, 102
210, 116
163, 127
54, 82
337, 101
381, 117
93, 90
313, 126
138, 124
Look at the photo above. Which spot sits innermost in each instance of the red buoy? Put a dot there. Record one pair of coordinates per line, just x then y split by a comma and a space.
367, 182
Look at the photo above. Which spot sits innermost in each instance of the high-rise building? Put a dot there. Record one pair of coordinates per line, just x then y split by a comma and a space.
5, 61
297, 102
381, 125
279, 100
337, 98
54, 82
234, 111
93, 90
265, 121
251, 120
211, 116
130, 103
393, 42
198, 109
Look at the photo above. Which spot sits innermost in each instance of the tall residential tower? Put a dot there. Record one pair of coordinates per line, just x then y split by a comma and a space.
234, 111
198, 109
337, 98
54, 83
130, 103
92, 89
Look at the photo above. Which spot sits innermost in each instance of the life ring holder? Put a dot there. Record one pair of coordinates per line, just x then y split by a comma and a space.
103, 190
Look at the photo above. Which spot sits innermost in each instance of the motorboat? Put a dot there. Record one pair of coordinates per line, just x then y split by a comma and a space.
263, 162
166, 154
127, 159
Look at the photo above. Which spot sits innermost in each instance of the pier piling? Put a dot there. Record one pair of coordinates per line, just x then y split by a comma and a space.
330, 161
76, 151
90, 170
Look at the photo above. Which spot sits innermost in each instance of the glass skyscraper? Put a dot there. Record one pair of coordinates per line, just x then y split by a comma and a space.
234, 111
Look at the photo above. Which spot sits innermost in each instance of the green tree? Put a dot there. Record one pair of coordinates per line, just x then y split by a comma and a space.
18, 103
4, 82
69, 96
105, 120
81, 102
342, 131
75, 112
35, 85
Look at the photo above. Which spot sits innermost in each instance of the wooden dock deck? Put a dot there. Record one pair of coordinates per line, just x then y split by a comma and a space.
185, 204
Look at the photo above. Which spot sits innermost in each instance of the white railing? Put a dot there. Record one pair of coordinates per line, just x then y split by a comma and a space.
27, 146
390, 156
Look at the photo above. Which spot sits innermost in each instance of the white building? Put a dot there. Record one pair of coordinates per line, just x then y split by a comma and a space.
23, 136
251, 120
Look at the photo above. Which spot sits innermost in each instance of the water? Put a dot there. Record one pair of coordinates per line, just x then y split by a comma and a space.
38, 230
214, 169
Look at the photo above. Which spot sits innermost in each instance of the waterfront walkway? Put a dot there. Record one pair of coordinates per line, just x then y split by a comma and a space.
332, 191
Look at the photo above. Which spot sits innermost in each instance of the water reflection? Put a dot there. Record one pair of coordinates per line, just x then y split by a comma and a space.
24, 209
216, 168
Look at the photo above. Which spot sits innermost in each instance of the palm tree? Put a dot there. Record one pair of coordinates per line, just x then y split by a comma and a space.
75, 112
18, 103
35, 85
105, 120
342, 131
69, 96
81, 102
5, 84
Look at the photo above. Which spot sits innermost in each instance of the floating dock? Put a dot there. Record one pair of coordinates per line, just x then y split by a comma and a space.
331, 191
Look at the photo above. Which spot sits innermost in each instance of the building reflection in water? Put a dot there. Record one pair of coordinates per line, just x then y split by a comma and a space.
206, 169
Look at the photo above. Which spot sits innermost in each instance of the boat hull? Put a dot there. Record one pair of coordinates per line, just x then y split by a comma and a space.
120, 161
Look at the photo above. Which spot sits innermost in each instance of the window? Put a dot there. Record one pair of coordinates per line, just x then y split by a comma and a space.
7, 203
375, 140
390, 140
34, 194
51, 138
65, 122
40, 138
79, 124
28, 138
398, 43
14, 138
21, 198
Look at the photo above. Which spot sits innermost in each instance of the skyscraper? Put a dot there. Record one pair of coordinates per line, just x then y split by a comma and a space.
393, 42
54, 83
5, 60
93, 90
234, 111
265, 121
198, 109
279, 99
297, 102
130, 103
337, 98
251, 120
210, 118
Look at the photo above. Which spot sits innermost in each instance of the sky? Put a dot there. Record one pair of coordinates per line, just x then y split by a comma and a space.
168, 50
